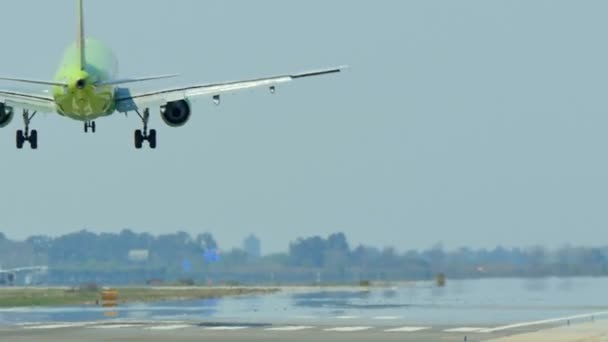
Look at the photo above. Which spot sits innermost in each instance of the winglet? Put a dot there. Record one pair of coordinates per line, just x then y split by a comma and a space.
319, 72
81, 38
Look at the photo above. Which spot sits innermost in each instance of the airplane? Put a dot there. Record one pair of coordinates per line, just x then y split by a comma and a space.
8, 276
86, 88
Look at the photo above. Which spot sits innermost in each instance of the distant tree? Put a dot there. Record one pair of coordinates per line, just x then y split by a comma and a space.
307, 252
206, 241
388, 258
40, 243
360, 256
337, 242
235, 257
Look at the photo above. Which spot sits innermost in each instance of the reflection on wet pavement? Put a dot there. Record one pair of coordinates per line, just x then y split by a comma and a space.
474, 302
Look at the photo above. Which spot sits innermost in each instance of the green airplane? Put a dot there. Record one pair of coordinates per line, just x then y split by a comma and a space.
86, 88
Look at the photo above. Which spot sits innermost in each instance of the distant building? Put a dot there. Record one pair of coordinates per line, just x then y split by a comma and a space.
139, 255
253, 247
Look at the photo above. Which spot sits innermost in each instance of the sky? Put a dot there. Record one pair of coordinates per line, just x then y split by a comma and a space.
471, 123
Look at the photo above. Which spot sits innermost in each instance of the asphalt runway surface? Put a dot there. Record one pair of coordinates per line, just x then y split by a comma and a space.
191, 331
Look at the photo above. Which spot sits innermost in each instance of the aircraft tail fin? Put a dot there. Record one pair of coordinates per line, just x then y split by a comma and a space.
80, 43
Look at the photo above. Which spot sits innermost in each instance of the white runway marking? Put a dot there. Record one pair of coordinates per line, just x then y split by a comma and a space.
115, 326
346, 317
224, 328
170, 327
387, 318
407, 329
463, 329
546, 321
56, 326
348, 329
289, 328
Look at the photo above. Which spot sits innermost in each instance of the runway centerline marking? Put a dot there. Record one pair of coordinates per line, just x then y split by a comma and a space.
347, 329
407, 329
170, 327
464, 329
546, 321
224, 328
289, 328
346, 317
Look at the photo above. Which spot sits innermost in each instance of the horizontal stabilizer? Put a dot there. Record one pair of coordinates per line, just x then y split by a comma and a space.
133, 80
50, 83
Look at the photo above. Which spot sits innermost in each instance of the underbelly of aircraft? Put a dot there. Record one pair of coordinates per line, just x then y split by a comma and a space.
85, 107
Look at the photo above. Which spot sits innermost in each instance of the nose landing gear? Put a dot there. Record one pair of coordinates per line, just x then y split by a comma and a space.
145, 135
26, 134
89, 125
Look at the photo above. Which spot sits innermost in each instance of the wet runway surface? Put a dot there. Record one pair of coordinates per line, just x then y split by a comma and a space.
477, 309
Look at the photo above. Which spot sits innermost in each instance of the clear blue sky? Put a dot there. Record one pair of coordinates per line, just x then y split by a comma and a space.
468, 122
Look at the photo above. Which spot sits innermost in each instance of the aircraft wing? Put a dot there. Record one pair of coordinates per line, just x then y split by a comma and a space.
25, 269
33, 101
127, 101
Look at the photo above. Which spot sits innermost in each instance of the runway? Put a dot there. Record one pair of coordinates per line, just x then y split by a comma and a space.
476, 310
193, 331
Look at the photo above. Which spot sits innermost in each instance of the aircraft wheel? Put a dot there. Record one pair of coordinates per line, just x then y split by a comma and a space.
93, 127
152, 138
33, 138
20, 139
139, 139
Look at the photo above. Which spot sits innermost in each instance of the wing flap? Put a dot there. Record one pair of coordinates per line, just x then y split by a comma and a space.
31, 101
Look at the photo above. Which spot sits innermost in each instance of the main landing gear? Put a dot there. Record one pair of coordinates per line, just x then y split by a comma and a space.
27, 135
89, 125
145, 135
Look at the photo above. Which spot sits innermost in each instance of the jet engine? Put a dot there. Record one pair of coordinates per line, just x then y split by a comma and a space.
6, 115
176, 113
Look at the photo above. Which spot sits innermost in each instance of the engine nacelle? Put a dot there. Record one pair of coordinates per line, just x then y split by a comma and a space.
6, 115
176, 113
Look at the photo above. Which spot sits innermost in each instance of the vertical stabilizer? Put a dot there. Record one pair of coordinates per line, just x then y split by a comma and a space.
81, 39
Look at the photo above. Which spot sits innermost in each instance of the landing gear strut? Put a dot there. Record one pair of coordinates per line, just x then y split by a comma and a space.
145, 135
27, 135
89, 125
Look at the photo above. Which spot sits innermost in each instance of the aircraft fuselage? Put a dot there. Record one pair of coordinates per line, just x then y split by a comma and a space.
81, 99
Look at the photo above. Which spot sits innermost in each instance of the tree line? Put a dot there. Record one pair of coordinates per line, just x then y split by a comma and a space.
85, 255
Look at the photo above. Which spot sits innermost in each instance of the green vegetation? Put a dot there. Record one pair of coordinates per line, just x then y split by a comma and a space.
25, 297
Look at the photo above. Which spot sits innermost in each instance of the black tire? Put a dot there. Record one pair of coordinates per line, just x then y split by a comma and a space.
139, 139
20, 139
86, 127
93, 127
152, 139
33, 139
